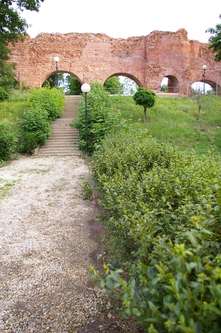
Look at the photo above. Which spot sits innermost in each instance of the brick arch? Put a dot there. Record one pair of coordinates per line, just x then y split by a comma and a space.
130, 76
173, 84
97, 56
60, 71
215, 85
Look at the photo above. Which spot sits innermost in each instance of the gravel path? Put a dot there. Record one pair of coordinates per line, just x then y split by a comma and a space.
46, 246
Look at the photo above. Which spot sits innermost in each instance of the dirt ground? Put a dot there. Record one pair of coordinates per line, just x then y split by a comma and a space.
49, 237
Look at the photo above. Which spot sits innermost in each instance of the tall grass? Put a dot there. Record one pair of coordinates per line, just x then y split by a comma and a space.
174, 120
12, 109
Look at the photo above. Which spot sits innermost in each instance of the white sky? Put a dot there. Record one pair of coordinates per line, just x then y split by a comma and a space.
125, 18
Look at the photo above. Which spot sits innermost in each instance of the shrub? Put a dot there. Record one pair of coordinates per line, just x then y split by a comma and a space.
179, 294
34, 129
51, 100
28, 143
3, 94
18, 95
8, 141
101, 119
163, 210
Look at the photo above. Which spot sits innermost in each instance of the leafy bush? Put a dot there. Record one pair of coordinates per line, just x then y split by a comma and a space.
18, 95
3, 94
8, 141
34, 129
179, 294
51, 100
101, 119
164, 220
29, 125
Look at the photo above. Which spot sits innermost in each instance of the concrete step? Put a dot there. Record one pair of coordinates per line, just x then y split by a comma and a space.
65, 135
64, 138
59, 153
60, 144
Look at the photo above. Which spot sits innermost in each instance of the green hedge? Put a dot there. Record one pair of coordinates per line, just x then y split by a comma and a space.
34, 129
8, 140
164, 222
25, 127
51, 100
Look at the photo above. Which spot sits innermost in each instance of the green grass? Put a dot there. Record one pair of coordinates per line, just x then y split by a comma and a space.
174, 120
5, 188
11, 110
171, 120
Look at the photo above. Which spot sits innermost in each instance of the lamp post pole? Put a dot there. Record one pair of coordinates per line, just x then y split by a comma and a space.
204, 68
85, 88
56, 59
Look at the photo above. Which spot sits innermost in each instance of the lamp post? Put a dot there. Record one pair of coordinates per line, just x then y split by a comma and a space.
56, 59
85, 88
204, 68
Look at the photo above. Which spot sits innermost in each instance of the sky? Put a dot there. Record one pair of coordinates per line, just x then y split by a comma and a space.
125, 18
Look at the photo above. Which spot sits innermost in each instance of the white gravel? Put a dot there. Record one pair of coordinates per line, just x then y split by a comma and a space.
45, 246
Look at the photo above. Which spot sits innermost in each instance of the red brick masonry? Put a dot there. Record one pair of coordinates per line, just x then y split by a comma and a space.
146, 59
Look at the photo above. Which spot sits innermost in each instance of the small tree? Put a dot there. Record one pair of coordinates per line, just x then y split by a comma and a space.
146, 98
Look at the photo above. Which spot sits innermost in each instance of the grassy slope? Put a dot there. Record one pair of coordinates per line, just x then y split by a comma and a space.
12, 109
171, 119
175, 120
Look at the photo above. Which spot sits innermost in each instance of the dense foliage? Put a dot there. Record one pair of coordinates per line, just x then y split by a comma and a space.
73, 85
101, 118
163, 210
51, 100
215, 40
8, 140
113, 85
12, 28
3, 94
35, 127
25, 120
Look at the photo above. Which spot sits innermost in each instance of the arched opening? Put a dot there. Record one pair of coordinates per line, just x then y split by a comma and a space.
69, 82
169, 84
122, 84
206, 87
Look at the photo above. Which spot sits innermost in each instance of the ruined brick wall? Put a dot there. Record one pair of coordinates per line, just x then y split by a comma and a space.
147, 59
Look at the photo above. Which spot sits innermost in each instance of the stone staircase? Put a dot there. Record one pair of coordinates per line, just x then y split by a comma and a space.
64, 138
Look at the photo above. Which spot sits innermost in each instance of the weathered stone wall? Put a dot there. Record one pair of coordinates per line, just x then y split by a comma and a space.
147, 59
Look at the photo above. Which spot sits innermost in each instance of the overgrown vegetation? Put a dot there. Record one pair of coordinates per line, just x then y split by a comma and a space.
163, 216
50, 100
101, 118
25, 120
161, 199
162, 210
